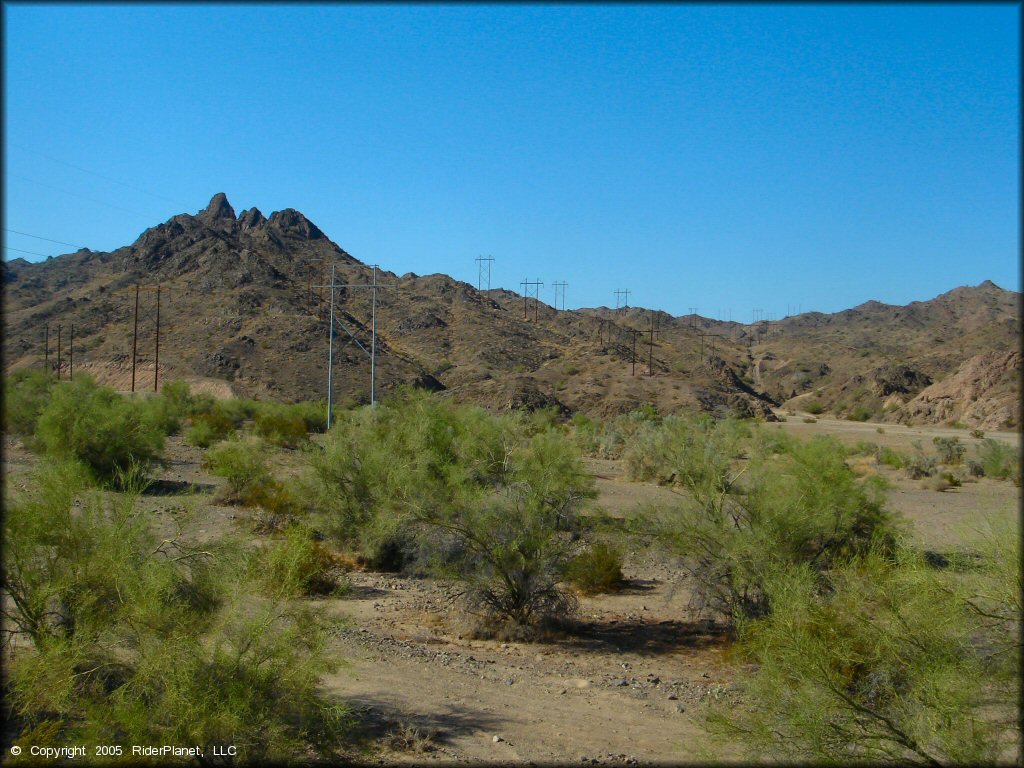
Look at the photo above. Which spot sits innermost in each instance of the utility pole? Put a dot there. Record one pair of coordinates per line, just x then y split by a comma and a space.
650, 349
330, 358
480, 270
560, 285
156, 365
58, 352
619, 293
135, 334
373, 348
536, 285
71, 354
46, 353
635, 333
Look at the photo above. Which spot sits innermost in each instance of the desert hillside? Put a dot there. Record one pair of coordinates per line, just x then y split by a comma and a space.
240, 311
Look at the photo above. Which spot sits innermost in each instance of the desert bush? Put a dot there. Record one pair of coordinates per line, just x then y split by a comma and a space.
863, 448
999, 460
239, 409
742, 525
485, 499
918, 465
975, 468
376, 462
299, 566
890, 457
950, 449
281, 425
810, 420
889, 665
512, 549
243, 463
136, 639
679, 445
209, 427
815, 408
860, 413
596, 570
26, 393
977, 434
97, 427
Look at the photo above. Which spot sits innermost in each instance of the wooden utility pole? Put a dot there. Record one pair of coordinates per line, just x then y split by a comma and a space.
46, 352
71, 354
650, 349
156, 365
58, 352
135, 334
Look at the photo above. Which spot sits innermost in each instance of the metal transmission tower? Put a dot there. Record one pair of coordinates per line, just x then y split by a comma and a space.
536, 285
619, 294
560, 288
693, 317
711, 336
373, 286
481, 270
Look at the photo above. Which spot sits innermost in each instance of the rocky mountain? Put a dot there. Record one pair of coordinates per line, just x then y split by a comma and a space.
240, 310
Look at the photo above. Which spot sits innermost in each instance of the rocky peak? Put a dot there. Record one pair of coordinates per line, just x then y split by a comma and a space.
295, 223
219, 210
251, 218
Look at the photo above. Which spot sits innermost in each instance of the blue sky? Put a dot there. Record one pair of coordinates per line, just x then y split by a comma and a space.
726, 157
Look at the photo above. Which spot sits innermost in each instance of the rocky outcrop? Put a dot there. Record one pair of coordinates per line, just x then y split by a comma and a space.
984, 392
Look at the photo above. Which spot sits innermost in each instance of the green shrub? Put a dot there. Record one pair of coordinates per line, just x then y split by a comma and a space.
488, 500
239, 409
978, 434
281, 425
208, 428
375, 462
863, 448
742, 525
243, 464
99, 428
860, 413
950, 449
596, 570
135, 638
26, 393
815, 408
890, 665
299, 566
891, 458
999, 460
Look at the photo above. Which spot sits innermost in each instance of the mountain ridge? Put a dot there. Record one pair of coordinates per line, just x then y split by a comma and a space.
241, 307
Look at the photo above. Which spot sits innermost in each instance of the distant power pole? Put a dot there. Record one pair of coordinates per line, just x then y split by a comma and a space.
46, 352
634, 333
650, 349
135, 334
560, 285
58, 352
619, 293
481, 270
536, 285
71, 354
156, 364
693, 316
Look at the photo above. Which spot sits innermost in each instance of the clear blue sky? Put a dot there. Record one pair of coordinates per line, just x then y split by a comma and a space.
726, 157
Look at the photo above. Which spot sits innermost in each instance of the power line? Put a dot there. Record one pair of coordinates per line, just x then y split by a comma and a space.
84, 197
94, 173
33, 253
40, 237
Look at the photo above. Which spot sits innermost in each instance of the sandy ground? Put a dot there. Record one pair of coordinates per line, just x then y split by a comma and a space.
626, 682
